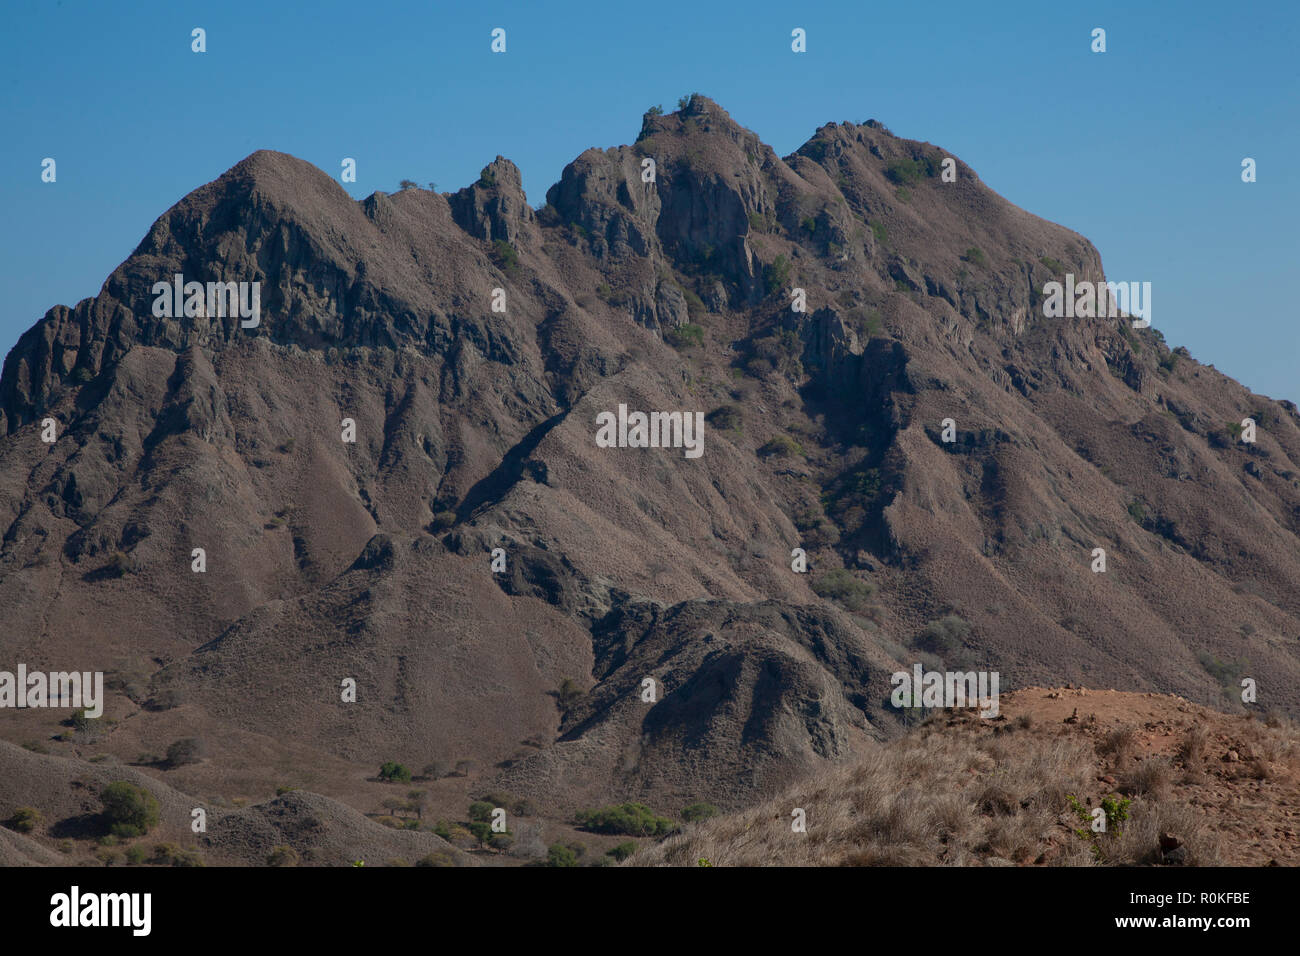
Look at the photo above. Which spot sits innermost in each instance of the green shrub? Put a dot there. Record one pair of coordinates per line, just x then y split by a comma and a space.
557, 854
782, 446
781, 351
685, 336
880, 232
480, 811
1056, 265
442, 520
24, 820
505, 257
136, 854
944, 636
1226, 672
394, 772
908, 172
437, 858
169, 854
694, 304
975, 256
622, 851
865, 323
696, 812
725, 417
282, 855
130, 810
632, 819
777, 275
185, 751
842, 587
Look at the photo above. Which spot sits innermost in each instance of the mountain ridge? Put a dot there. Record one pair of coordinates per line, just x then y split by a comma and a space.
474, 431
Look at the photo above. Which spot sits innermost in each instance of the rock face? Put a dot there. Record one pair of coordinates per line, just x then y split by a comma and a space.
328, 559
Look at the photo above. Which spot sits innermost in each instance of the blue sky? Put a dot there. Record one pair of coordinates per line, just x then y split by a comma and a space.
1139, 148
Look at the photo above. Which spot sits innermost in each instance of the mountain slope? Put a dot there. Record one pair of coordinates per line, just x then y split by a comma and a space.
475, 430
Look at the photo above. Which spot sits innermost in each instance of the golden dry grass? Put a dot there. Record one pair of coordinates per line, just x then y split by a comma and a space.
959, 791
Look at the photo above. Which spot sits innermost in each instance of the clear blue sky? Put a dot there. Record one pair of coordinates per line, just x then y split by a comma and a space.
1139, 149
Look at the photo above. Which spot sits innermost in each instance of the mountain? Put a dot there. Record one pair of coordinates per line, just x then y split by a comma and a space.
474, 344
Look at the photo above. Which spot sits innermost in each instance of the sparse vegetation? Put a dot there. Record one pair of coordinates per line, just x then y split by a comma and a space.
505, 257
777, 275
725, 418
442, 520
622, 851
685, 336
843, 587
696, 812
907, 172
130, 811
186, 751
944, 637
283, 855
557, 854
393, 772
630, 819
782, 446
24, 820
437, 858
1226, 672
866, 323
779, 352
569, 693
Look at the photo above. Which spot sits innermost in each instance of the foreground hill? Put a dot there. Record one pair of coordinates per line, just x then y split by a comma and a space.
328, 561
1197, 788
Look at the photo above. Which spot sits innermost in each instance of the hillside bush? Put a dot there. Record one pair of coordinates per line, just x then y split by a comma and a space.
631, 819
131, 811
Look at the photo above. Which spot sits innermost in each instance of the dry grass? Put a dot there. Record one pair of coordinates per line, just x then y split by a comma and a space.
963, 792
914, 803
1118, 744
1138, 843
1151, 777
